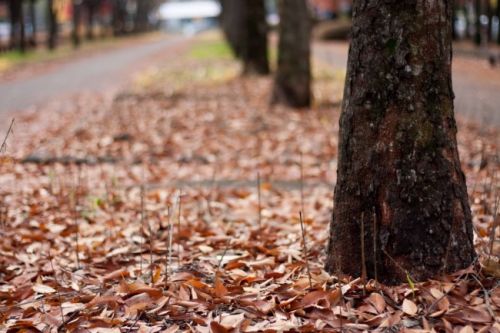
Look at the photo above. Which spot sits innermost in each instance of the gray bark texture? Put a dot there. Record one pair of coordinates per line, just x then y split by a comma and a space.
399, 177
292, 85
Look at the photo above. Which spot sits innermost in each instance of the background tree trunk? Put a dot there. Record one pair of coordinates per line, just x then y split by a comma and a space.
141, 21
91, 6
119, 13
498, 17
292, 85
399, 175
32, 11
232, 24
17, 32
52, 25
254, 48
477, 13
77, 13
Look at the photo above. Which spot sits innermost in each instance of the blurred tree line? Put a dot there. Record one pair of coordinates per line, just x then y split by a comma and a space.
86, 19
475, 20
245, 26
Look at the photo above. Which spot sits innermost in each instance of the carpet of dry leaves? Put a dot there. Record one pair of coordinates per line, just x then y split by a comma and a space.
143, 213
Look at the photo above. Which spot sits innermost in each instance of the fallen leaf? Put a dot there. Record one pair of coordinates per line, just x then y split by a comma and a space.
409, 307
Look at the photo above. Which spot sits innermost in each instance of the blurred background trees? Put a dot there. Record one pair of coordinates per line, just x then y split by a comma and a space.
25, 23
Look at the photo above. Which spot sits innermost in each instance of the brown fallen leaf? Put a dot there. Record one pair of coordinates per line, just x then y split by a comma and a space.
219, 288
43, 289
377, 301
409, 307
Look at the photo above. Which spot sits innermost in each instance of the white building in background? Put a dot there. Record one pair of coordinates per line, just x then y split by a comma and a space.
189, 17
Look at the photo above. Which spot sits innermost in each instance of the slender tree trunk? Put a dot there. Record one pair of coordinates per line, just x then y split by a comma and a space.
489, 15
254, 52
232, 24
119, 13
77, 13
52, 25
17, 32
477, 15
141, 21
498, 17
13, 18
91, 6
399, 176
33, 23
292, 85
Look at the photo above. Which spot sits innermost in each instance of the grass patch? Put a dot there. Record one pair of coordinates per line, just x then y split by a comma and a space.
210, 50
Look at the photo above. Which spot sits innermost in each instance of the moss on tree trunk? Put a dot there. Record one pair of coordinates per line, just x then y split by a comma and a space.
399, 174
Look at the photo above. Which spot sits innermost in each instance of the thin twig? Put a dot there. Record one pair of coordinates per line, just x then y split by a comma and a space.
375, 274
228, 243
398, 265
305, 249
302, 184
179, 228
212, 191
486, 299
493, 229
363, 256
151, 266
74, 198
57, 291
3, 148
259, 201
169, 261
142, 228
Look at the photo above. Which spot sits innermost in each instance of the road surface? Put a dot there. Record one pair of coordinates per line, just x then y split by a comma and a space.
94, 73
475, 82
477, 86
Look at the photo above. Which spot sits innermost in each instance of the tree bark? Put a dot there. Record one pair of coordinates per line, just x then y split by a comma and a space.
52, 25
477, 14
17, 32
141, 21
292, 85
91, 6
119, 13
399, 176
77, 13
254, 52
232, 24
33, 23
498, 17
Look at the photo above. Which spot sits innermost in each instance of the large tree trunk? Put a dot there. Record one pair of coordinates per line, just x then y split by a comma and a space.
232, 24
399, 176
254, 52
292, 84
52, 25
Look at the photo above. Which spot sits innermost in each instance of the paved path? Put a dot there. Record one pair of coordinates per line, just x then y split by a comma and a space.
475, 82
96, 72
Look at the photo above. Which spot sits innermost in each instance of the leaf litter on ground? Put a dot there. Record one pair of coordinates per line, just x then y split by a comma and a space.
76, 254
